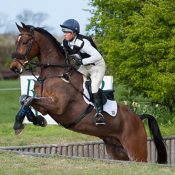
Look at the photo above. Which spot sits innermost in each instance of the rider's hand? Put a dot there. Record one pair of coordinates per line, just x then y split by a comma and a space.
78, 62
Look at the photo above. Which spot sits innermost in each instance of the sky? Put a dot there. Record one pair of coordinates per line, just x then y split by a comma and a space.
58, 11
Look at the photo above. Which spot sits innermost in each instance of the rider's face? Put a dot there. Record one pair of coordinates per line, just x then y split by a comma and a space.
69, 36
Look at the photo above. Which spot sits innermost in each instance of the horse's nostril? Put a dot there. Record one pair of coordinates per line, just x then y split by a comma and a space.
15, 69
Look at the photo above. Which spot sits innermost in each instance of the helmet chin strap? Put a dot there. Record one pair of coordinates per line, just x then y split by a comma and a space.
73, 36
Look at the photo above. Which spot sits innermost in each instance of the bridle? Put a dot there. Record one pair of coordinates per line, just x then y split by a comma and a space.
28, 49
30, 45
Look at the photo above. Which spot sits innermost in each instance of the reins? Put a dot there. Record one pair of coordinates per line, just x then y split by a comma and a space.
64, 75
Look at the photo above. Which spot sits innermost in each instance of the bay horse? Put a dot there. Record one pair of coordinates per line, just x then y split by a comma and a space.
58, 93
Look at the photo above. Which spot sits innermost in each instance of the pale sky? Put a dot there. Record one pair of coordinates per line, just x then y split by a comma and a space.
58, 11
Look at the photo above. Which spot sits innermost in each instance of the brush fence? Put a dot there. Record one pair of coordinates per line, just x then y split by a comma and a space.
92, 149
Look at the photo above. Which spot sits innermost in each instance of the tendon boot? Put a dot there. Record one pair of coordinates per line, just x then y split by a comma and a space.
31, 116
99, 118
37, 120
18, 126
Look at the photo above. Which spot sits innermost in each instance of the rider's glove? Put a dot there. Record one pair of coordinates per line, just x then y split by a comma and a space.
78, 62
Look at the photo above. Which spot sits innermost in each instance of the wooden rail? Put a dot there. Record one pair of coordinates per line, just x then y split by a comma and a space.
92, 149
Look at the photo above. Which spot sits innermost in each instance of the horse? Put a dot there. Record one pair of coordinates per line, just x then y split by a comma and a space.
59, 93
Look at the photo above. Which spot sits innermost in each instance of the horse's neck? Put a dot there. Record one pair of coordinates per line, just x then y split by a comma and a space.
50, 53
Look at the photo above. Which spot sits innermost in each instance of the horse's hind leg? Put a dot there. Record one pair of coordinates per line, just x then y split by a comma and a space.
115, 149
135, 144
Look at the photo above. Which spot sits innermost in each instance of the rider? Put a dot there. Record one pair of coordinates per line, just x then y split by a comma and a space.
90, 60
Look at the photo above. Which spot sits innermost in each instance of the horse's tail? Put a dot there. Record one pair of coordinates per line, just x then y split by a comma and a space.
157, 137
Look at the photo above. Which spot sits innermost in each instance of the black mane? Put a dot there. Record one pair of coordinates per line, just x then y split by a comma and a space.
45, 32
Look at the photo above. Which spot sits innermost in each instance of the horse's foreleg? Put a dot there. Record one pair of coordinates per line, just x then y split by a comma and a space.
26, 111
18, 126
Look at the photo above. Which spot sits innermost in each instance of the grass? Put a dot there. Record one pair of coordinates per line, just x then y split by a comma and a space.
11, 163
34, 135
9, 100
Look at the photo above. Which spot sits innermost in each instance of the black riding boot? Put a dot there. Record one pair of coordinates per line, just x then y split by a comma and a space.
99, 118
20, 117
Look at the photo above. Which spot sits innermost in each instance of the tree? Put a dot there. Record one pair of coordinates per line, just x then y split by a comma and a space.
138, 42
26, 16
29, 17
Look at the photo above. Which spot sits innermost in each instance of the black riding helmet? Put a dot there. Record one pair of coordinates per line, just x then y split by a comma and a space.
70, 25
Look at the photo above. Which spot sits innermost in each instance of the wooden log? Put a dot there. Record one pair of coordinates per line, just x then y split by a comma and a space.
53, 150
86, 151
59, 150
102, 151
42, 150
80, 151
48, 150
172, 152
149, 151
37, 150
75, 150
96, 151
168, 148
153, 152
70, 151
91, 151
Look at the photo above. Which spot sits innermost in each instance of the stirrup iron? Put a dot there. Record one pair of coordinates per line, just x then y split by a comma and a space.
97, 117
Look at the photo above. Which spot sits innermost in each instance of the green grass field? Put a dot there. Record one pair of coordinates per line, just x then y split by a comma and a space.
11, 163
29, 165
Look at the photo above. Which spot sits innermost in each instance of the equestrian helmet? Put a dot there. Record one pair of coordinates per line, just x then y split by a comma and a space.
70, 25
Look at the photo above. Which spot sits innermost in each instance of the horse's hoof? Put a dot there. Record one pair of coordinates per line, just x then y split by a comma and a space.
19, 131
41, 121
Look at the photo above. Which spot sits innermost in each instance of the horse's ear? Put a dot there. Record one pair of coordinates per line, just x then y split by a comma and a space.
19, 28
25, 27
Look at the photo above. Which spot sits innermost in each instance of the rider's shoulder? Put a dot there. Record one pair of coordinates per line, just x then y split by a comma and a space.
79, 43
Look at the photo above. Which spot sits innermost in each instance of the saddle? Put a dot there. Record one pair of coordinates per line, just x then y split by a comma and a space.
104, 94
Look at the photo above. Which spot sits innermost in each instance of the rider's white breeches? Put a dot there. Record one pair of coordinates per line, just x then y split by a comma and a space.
96, 72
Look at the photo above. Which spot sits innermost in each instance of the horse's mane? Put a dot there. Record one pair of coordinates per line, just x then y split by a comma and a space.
45, 32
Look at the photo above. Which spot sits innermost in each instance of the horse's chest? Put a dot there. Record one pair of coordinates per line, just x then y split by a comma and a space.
39, 88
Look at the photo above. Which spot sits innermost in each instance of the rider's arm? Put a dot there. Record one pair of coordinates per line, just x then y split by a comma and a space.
90, 50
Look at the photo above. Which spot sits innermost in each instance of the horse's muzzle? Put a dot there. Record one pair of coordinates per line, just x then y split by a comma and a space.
15, 69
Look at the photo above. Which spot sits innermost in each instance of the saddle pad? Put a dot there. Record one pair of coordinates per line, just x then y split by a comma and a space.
110, 106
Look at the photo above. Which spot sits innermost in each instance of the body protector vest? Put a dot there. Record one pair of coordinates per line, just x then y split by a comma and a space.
79, 43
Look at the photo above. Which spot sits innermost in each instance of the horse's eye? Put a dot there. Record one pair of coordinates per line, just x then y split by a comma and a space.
25, 42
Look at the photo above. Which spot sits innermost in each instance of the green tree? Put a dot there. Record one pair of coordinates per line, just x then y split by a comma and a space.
138, 42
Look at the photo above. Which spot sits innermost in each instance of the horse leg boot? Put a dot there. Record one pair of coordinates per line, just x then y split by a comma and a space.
99, 118
18, 126
37, 120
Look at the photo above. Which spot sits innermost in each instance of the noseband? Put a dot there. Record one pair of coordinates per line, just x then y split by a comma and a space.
21, 56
